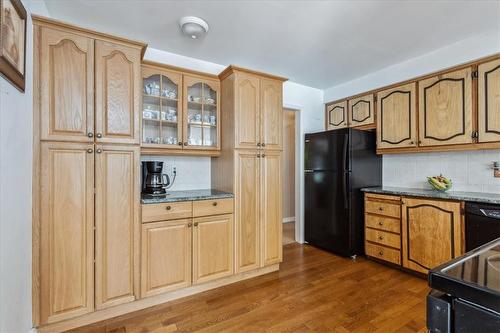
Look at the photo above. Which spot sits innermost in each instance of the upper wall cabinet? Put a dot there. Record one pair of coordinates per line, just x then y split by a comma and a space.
117, 75
489, 101
271, 107
361, 111
445, 109
247, 96
396, 120
66, 86
336, 116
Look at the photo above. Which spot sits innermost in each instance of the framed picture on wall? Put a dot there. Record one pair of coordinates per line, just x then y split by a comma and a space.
13, 42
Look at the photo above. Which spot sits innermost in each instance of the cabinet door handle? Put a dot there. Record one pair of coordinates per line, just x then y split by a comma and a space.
380, 237
381, 253
90, 151
168, 208
99, 135
185, 143
258, 144
180, 143
263, 144
90, 134
214, 203
381, 209
189, 225
196, 224
258, 155
98, 151
263, 155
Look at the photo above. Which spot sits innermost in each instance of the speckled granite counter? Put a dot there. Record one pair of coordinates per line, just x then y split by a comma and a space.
450, 195
193, 195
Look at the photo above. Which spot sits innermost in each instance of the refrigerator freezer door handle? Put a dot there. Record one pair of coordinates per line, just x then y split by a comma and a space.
344, 188
308, 171
346, 170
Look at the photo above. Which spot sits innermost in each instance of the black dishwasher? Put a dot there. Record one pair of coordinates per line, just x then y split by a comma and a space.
482, 224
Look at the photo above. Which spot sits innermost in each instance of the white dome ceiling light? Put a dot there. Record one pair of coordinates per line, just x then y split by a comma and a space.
193, 27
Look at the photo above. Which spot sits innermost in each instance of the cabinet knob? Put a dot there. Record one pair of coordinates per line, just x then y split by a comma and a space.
90, 134
90, 151
263, 144
168, 207
99, 135
196, 224
412, 142
381, 223
258, 155
258, 144
180, 143
185, 143
98, 151
214, 204
189, 225
381, 253
380, 237
380, 208
263, 155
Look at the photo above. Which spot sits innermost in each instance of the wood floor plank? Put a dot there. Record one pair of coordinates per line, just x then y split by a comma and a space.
314, 291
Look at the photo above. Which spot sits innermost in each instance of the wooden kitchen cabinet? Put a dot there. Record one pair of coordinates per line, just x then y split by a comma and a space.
66, 231
247, 210
65, 85
445, 109
361, 111
397, 117
166, 256
271, 208
117, 224
489, 101
271, 114
336, 116
247, 111
117, 92
212, 247
432, 233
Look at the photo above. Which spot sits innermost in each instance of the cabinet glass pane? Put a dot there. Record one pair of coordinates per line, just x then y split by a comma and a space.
202, 115
151, 110
169, 111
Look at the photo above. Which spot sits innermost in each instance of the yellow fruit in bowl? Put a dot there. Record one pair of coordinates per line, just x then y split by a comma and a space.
440, 183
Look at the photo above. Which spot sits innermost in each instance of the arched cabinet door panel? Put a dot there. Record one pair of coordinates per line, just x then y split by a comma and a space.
336, 116
489, 101
66, 86
396, 117
445, 109
431, 233
247, 111
117, 82
271, 110
361, 111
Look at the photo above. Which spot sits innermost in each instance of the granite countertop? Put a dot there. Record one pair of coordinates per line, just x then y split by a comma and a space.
429, 193
192, 195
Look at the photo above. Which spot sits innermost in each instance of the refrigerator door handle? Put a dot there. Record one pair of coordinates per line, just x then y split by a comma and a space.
345, 161
308, 171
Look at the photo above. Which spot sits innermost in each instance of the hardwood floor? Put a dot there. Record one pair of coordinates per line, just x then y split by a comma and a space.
314, 291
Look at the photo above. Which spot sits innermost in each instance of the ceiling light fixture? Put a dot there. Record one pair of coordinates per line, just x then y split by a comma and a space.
193, 26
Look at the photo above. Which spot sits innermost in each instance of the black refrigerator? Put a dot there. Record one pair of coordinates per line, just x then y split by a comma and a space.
338, 164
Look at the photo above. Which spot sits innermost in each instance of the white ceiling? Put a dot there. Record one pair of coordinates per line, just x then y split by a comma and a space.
315, 43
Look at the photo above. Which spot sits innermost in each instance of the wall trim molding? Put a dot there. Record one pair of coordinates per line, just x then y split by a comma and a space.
289, 219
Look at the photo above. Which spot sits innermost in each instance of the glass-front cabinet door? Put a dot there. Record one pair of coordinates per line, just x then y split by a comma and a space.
162, 109
201, 116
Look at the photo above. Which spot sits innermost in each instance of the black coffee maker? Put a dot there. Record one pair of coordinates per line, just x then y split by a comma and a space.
153, 181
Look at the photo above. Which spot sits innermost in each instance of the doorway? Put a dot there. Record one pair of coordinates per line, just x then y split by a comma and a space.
289, 169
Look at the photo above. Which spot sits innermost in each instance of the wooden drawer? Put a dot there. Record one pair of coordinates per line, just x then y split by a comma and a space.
383, 223
382, 197
383, 238
383, 208
212, 207
383, 253
167, 211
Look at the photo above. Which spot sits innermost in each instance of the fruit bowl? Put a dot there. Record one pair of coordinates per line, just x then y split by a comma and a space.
440, 183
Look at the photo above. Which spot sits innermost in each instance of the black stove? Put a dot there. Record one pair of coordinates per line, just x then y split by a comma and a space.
466, 292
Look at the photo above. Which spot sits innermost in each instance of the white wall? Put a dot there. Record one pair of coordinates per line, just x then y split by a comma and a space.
16, 137
470, 171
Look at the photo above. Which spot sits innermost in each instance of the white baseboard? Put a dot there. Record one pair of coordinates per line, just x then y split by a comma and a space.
289, 219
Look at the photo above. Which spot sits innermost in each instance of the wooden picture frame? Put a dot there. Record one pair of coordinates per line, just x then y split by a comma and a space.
13, 19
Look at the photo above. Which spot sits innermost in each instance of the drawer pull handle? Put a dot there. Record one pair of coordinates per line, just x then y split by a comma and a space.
380, 208
380, 237
168, 207
381, 253
381, 223
214, 204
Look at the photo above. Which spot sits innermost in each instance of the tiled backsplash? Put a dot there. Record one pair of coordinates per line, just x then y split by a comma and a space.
192, 172
469, 170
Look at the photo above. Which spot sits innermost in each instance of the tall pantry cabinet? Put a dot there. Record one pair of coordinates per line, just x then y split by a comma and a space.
86, 171
250, 163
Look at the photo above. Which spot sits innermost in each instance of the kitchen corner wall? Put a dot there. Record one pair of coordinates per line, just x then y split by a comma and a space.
469, 170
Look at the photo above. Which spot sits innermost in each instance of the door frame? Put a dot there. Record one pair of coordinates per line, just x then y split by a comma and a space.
299, 221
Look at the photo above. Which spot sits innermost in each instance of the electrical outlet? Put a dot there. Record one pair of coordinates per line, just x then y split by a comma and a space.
496, 169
